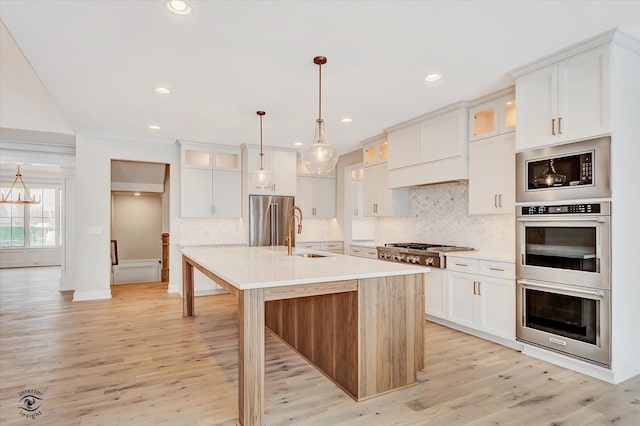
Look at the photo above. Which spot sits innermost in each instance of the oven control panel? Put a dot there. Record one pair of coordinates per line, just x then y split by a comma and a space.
562, 209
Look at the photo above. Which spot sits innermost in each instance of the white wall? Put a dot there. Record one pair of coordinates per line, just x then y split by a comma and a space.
93, 195
625, 202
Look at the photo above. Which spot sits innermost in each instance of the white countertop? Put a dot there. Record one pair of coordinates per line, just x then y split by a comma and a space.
260, 267
484, 255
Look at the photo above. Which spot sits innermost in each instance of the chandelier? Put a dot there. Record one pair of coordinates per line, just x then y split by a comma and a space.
7, 199
320, 157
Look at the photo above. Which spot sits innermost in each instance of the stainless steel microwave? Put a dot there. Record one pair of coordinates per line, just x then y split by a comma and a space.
573, 171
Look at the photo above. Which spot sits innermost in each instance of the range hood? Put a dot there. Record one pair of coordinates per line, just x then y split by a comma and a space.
441, 171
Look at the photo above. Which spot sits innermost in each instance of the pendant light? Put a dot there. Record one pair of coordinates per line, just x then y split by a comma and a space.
320, 157
7, 199
261, 178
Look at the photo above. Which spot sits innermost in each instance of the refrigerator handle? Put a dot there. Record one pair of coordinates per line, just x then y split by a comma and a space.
274, 224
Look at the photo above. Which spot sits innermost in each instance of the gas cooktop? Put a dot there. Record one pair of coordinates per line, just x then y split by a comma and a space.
418, 253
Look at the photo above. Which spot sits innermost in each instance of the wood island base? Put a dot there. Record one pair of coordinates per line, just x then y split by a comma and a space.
366, 335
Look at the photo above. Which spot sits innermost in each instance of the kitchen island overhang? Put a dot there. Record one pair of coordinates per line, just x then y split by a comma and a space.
358, 321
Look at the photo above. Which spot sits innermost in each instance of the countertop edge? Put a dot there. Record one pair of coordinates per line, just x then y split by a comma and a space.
484, 255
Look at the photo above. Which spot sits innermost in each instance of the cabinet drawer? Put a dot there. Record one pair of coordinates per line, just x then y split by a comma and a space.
333, 245
360, 251
309, 246
462, 264
497, 269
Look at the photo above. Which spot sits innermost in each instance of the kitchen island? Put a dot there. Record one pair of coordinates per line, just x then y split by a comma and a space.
358, 321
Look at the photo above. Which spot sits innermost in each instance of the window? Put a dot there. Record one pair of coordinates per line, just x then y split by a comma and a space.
31, 225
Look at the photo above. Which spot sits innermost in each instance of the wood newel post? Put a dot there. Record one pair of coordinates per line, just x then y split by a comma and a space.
164, 273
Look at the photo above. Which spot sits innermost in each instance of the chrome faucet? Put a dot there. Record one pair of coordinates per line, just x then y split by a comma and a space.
292, 219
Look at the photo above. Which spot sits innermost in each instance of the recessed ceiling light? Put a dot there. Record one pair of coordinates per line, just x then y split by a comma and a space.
298, 143
346, 120
178, 6
433, 77
162, 90
154, 127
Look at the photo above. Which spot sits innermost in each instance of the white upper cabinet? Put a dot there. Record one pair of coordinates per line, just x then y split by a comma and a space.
405, 145
210, 156
378, 198
357, 177
565, 101
316, 196
210, 181
374, 152
443, 136
492, 118
281, 164
429, 149
492, 175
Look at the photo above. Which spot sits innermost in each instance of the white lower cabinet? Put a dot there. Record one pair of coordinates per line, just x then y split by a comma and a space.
336, 247
363, 251
480, 294
435, 293
328, 246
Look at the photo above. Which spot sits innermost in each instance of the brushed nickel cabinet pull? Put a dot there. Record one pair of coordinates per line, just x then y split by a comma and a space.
499, 200
474, 288
479, 294
495, 200
496, 269
553, 126
462, 264
559, 125
597, 264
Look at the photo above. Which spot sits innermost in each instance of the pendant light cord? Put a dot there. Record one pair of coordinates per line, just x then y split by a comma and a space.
320, 92
261, 114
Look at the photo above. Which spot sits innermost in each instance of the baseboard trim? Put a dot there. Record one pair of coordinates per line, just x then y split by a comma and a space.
513, 344
574, 364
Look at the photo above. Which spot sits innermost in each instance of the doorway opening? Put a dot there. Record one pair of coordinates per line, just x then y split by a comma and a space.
139, 222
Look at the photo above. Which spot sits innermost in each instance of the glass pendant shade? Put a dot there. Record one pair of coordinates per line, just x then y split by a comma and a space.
319, 157
261, 179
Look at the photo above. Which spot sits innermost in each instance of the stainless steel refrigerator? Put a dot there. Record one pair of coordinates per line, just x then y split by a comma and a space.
268, 220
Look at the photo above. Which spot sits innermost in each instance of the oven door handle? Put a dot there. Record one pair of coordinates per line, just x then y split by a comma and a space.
553, 218
596, 293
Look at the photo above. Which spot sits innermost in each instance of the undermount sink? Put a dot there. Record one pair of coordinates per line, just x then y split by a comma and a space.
309, 255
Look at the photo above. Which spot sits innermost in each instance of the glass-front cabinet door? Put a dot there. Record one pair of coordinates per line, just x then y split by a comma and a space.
492, 118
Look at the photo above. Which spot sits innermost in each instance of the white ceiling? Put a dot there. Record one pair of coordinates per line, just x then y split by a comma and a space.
100, 60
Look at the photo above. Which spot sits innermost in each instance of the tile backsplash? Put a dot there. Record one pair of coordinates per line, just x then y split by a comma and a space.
212, 231
438, 214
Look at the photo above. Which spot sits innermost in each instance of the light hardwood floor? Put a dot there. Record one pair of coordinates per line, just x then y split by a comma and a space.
133, 360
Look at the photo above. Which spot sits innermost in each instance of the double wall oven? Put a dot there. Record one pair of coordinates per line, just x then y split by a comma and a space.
563, 250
